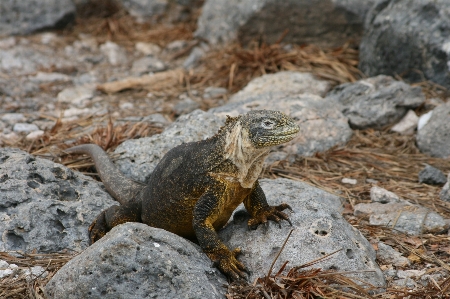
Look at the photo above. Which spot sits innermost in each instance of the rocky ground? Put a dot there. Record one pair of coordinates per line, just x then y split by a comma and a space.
373, 153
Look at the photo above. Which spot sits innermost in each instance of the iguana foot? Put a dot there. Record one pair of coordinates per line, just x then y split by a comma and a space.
98, 228
273, 213
226, 261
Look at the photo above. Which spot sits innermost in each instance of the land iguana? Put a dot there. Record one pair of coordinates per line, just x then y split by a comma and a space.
196, 186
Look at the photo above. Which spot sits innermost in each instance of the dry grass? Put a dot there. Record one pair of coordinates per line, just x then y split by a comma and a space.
234, 66
18, 285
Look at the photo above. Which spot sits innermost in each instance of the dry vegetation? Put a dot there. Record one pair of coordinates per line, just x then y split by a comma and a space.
391, 159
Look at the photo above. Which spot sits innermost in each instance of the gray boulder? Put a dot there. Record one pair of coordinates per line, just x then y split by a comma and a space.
26, 16
432, 176
376, 102
44, 205
138, 261
319, 229
327, 23
445, 192
408, 38
434, 137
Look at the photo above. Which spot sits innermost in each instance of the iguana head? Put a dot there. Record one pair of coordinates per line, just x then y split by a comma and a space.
247, 140
268, 128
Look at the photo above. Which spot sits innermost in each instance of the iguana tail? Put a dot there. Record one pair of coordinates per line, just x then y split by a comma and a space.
120, 187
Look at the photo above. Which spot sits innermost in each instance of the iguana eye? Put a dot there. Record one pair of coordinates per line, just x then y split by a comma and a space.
268, 124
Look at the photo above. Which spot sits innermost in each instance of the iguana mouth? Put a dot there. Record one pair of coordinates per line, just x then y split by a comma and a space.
271, 140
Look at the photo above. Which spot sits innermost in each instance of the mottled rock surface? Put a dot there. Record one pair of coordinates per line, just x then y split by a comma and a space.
138, 261
26, 16
44, 205
408, 38
319, 229
433, 138
376, 102
327, 23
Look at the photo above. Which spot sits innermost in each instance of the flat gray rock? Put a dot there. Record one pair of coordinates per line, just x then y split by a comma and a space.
402, 216
319, 229
407, 38
44, 205
376, 102
288, 82
137, 261
327, 23
432, 176
26, 16
434, 137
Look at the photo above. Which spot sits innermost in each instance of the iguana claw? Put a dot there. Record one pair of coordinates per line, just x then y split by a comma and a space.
273, 213
226, 261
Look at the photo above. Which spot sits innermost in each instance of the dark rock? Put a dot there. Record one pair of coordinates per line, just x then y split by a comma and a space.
408, 38
26, 16
138, 261
376, 102
44, 205
432, 176
433, 138
319, 229
327, 23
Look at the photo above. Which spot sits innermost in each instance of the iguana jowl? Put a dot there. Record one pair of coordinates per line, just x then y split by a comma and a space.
196, 186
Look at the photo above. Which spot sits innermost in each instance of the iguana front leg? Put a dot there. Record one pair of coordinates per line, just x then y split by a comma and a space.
260, 211
206, 211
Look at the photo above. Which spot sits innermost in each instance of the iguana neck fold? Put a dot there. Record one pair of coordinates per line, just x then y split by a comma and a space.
241, 152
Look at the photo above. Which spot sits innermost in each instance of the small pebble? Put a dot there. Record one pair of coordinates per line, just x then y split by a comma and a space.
12, 118
25, 127
34, 135
148, 48
349, 181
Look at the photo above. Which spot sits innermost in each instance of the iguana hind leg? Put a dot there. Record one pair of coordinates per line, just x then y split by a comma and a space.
115, 215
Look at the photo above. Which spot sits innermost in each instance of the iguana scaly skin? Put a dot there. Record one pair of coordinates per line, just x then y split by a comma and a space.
196, 186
